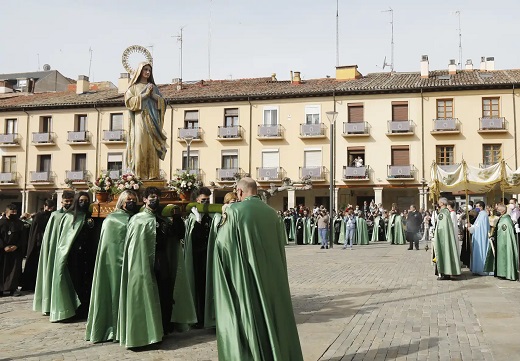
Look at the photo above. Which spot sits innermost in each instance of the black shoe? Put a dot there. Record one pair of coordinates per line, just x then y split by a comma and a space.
327, 247
322, 247
410, 249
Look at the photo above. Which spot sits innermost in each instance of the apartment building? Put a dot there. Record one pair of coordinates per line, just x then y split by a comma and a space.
397, 124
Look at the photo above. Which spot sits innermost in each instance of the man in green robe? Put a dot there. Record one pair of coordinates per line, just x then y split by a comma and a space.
445, 252
395, 233
42, 290
104, 300
502, 257
255, 319
361, 230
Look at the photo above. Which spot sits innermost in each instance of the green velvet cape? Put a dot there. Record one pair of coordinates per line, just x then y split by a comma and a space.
42, 290
140, 322
255, 319
505, 262
444, 245
395, 232
361, 231
104, 299
375, 230
64, 300
341, 239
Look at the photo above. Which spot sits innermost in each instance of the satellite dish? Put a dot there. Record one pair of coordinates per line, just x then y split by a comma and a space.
46, 67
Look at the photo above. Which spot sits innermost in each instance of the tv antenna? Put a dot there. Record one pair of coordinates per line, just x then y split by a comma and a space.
337, 33
391, 65
209, 40
90, 62
180, 40
460, 40
38, 61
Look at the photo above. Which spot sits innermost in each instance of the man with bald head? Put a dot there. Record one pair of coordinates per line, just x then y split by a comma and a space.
254, 315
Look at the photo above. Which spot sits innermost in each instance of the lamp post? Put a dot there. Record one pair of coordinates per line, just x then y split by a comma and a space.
423, 194
188, 141
331, 115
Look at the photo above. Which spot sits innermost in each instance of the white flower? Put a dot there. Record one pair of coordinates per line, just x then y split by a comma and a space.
183, 184
129, 178
121, 187
190, 184
136, 186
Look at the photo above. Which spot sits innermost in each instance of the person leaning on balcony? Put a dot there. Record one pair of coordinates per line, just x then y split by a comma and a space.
147, 142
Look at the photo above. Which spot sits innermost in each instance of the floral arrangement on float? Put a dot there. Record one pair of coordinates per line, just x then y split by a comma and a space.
102, 186
184, 183
127, 181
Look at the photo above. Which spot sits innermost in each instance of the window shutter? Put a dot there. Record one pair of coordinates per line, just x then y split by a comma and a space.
400, 112
400, 156
270, 159
313, 158
191, 115
355, 113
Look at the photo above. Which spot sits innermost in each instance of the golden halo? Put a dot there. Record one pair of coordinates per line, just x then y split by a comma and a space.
135, 49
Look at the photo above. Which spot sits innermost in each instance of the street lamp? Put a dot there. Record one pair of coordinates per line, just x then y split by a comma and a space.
331, 115
188, 141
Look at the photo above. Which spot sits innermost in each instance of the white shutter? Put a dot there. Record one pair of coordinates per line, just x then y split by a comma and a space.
270, 159
312, 114
312, 158
115, 157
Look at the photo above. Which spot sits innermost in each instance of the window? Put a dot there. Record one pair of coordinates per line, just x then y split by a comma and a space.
191, 119
231, 117
270, 158
194, 160
490, 108
230, 159
445, 155
44, 163
270, 115
400, 155
355, 156
492, 153
11, 126
45, 124
355, 113
116, 121
312, 114
399, 111
115, 161
9, 164
79, 162
80, 123
312, 158
444, 108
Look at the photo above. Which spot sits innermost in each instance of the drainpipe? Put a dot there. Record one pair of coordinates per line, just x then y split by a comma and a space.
514, 125
250, 135
171, 145
26, 170
423, 171
98, 140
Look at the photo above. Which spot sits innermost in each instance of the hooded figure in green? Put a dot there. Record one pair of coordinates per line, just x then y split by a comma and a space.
395, 232
104, 300
255, 319
502, 258
361, 231
445, 251
51, 235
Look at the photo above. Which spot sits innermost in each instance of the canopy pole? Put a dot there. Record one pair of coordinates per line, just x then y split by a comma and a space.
467, 240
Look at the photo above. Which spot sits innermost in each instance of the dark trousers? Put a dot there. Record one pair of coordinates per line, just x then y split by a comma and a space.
412, 237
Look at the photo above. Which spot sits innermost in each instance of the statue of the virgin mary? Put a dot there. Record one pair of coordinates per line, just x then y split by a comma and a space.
146, 142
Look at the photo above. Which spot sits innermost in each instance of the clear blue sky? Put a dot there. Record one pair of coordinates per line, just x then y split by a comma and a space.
253, 38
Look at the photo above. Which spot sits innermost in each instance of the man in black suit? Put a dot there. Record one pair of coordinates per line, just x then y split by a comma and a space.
413, 226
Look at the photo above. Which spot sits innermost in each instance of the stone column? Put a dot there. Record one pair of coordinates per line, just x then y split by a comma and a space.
291, 198
378, 195
59, 196
25, 201
423, 198
336, 198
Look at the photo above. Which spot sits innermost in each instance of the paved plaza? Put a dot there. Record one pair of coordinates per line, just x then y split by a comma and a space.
375, 302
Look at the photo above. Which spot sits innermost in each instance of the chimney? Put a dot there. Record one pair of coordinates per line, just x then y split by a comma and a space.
5, 87
483, 63
490, 63
452, 67
425, 67
273, 77
123, 82
347, 72
469, 64
82, 85
296, 79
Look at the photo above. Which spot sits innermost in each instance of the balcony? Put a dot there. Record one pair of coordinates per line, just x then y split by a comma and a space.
77, 176
194, 133
355, 129
313, 173
445, 126
8, 178
197, 172
312, 131
400, 172
41, 178
268, 174
43, 139
270, 132
9, 140
493, 125
400, 127
230, 133
227, 174
356, 173
78, 138
114, 136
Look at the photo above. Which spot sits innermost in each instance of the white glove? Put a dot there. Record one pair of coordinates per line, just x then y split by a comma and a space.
195, 211
517, 228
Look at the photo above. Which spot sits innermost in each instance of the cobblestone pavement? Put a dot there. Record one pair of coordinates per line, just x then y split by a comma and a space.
375, 302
